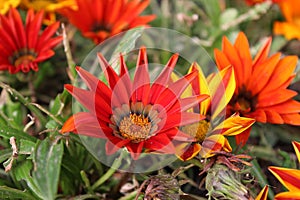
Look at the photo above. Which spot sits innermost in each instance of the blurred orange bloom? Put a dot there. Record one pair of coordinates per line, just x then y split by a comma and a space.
261, 83
291, 27
290, 178
23, 46
6, 4
49, 7
100, 19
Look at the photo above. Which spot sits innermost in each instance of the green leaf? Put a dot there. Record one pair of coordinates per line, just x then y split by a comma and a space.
8, 132
126, 44
47, 161
213, 10
12, 193
26, 147
4, 154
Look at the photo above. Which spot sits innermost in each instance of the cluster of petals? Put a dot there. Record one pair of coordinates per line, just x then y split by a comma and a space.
23, 46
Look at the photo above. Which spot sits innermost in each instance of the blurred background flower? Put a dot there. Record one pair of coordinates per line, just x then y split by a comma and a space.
6, 4
100, 19
23, 46
290, 28
50, 7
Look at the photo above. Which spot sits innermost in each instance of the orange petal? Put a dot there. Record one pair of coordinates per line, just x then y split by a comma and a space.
212, 144
291, 118
263, 53
242, 47
263, 195
288, 196
290, 178
296, 146
242, 138
289, 30
221, 59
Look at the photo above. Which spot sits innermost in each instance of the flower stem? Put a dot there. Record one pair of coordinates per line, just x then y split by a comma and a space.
116, 164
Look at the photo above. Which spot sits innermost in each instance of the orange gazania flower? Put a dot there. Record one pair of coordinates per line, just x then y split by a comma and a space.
210, 132
22, 46
100, 19
291, 27
290, 178
259, 83
134, 114
6, 4
50, 7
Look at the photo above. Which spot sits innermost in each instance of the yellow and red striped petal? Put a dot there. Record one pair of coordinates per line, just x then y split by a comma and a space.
296, 146
186, 151
288, 196
290, 178
263, 194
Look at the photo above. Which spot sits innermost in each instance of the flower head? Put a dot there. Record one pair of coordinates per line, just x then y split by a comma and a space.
291, 27
134, 114
210, 132
259, 82
50, 7
100, 19
6, 4
23, 46
290, 178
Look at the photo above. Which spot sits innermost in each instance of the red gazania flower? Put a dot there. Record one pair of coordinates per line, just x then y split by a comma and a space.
261, 83
22, 46
290, 178
100, 19
210, 132
134, 114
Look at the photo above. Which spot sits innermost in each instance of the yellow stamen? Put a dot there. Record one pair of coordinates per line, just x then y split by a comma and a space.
26, 59
135, 127
197, 130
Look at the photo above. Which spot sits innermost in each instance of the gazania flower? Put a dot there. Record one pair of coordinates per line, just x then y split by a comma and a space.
210, 132
263, 194
291, 27
22, 46
290, 178
50, 7
261, 83
100, 19
6, 4
134, 114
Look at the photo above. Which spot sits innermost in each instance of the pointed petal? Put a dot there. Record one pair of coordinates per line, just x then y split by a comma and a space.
291, 118
242, 138
85, 124
109, 73
290, 178
162, 80
212, 144
275, 97
296, 146
234, 125
263, 194
141, 82
263, 53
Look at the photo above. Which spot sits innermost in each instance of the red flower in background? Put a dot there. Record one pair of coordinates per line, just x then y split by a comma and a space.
134, 114
261, 83
22, 47
100, 19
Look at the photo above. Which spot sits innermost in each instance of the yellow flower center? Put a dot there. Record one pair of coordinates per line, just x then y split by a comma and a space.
26, 59
197, 130
23, 56
135, 127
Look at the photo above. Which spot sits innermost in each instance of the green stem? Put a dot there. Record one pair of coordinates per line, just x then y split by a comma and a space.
116, 164
18, 96
261, 179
